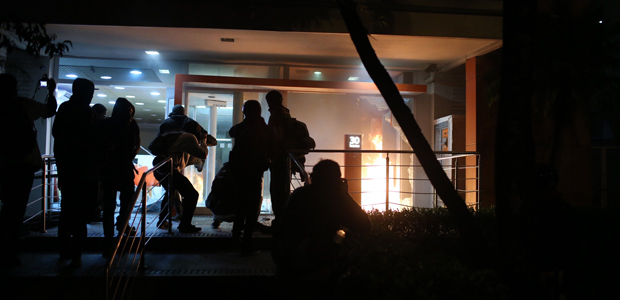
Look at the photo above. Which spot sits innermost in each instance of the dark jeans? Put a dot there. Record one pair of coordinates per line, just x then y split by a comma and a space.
110, 189
15, 186
181, 184
249, 189
280, 186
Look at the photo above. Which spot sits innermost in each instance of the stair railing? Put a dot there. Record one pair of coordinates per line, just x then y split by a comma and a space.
121, 266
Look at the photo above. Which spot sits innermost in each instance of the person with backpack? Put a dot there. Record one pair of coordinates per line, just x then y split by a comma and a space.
290, 135
249, 159
20, 158
186, 147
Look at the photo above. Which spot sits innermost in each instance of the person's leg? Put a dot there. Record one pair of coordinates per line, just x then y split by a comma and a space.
127, 190
279, 186
254, 187
190, 198
109, 206
14, 193
164, 210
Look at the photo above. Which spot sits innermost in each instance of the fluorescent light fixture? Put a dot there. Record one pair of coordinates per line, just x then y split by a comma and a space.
153, 115
112, 102
106, 77
139, 103
130, 97
151, 52
161, 101
317, 73
119, 88
102, 95
201, 106
164, 71
155, 93
147, 109
135, 72
71, 76
353, 78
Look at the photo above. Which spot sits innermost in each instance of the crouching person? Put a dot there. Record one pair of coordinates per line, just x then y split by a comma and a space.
186, 147
314, 222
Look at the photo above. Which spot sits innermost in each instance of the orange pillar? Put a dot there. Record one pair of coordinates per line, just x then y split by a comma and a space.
471, 183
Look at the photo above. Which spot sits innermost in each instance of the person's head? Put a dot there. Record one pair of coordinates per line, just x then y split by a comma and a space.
8, 86
177, 110
83, 90
326, 172
123, 110
251, 109
100, 111
192, 127
274, 98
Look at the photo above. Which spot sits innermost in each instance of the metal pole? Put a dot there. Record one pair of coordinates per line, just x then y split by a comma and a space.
387, 181
170, 197
143, 229
44, 197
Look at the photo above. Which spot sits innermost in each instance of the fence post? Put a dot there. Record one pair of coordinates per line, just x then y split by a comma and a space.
387, 181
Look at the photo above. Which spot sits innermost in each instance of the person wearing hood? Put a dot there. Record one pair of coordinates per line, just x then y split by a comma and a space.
122, 142
77, 147
20, 158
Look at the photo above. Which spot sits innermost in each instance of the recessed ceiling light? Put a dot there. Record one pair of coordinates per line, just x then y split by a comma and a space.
130, 97
106, 77
164, 71
153, 115
112, 102
135, 72
119, 87
353, 78
317, 73
102, 95
151, 52
147, 109
155, 93
161, 101
71, 76
139, 103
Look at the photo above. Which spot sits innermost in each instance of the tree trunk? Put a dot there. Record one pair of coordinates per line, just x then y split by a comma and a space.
438, 178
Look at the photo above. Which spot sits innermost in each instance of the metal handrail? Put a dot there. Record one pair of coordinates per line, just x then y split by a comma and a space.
121, 285
452, 168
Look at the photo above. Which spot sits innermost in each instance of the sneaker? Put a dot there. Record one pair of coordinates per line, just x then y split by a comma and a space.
215, 224
189, 229
164, 225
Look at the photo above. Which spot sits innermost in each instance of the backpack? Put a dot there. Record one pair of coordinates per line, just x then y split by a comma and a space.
222, 200
161, 143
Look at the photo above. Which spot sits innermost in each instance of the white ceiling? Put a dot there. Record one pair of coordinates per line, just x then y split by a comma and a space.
94, 46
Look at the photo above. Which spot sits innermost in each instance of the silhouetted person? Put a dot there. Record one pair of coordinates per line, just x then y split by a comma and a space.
188, 147
175, 122
122, 137
100, 112
76, 149
19, 159
249, 159
280, 167
308, 234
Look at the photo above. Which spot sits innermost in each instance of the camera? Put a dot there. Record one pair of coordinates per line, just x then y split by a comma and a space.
43, 81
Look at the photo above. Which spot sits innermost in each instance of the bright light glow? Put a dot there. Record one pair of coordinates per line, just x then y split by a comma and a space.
130, 97
161, 101
373, 184
151, 52
153, 115
317, 73
119, 87
106, 77
71, 76
155, 93
200, 106
600, 22
147, 109
102, 95
135, 72
164, 71
353, 78
139, 103
112, 102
